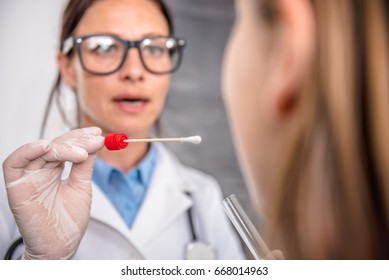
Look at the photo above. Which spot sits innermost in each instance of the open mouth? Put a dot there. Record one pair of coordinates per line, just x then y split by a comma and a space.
132, 101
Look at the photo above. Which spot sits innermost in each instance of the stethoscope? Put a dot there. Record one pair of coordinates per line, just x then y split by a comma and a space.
11, 249
195, 249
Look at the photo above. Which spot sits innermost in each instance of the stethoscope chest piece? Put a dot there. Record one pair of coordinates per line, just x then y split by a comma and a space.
198, 250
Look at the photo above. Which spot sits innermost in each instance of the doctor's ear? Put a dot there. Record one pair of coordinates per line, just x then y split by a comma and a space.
67, 70
296, 23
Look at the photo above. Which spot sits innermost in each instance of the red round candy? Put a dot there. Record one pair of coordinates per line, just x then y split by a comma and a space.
115, 141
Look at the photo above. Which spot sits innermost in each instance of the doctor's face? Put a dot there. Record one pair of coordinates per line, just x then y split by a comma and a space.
130, 99
246, 88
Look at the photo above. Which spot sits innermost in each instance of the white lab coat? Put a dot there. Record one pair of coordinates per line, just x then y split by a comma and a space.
161, 229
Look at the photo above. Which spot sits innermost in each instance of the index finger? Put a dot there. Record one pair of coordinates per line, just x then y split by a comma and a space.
15, 163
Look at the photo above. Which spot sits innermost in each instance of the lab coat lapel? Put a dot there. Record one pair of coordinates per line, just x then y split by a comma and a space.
165, 200
103, 211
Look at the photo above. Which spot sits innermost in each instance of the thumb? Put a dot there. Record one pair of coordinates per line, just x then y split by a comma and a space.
14, 166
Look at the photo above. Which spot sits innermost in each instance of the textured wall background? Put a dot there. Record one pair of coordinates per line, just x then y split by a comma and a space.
195, 104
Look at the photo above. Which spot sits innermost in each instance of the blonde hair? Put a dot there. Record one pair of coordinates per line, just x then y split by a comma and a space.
331, 196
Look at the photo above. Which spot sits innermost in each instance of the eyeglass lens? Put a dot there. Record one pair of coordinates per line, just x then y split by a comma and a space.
105, 54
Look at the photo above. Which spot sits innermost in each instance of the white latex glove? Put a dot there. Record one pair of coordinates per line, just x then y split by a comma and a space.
52, 214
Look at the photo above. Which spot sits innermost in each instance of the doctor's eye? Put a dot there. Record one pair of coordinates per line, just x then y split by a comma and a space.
154, 50
101, 46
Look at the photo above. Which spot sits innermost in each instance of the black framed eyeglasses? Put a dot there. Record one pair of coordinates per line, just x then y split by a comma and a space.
104, 54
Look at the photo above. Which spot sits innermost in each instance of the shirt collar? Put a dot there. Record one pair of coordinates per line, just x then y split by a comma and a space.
146, 166
102, 170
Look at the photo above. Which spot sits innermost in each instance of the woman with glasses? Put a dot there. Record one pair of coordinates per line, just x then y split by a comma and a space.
117, 57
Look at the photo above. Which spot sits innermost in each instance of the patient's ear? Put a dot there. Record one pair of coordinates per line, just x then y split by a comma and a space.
296, 47
67, 70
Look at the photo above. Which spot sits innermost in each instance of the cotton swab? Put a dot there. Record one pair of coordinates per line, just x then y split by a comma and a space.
118, 141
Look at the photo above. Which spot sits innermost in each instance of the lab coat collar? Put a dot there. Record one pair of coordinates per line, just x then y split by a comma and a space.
165, 201
104, 211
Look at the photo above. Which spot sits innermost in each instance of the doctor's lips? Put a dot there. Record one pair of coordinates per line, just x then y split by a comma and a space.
135, 100
119, 141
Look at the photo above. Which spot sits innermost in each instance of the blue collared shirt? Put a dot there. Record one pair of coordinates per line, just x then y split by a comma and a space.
126, 191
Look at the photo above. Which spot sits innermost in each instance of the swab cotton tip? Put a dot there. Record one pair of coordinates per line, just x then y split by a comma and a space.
115, 141
192, 139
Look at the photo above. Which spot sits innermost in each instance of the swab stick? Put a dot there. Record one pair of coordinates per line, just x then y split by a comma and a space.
191, 139
118, 141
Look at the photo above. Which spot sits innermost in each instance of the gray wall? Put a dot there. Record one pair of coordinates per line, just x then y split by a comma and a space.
195, 104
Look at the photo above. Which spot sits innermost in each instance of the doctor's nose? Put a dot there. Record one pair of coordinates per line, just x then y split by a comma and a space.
132, 68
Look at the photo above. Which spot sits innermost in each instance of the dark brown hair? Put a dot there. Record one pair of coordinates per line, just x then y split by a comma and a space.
72, 16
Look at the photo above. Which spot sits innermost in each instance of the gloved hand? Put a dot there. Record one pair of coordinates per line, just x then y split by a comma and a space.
52, 214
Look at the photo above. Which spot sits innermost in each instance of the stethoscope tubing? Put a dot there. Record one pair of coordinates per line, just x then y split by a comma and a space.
12, 248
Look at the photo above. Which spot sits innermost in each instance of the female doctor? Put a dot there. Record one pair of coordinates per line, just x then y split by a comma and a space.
117, 56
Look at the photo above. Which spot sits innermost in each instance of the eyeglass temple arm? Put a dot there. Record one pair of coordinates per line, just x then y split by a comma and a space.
67, 46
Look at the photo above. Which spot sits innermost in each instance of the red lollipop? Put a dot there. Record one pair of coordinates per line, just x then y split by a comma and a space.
115, 141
